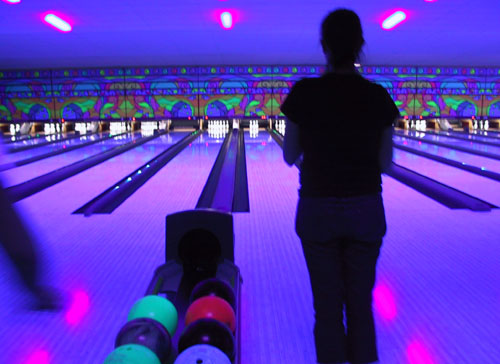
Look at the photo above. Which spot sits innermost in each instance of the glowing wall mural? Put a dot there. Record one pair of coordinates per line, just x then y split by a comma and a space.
228, 91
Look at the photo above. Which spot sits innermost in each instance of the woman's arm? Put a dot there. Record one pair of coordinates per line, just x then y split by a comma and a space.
291, 145
385, 154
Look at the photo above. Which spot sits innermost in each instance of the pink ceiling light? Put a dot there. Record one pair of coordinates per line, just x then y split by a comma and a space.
226, 20
58, 23
12, 1
393, 20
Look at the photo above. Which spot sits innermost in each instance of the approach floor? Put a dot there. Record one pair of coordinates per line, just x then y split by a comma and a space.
437, 294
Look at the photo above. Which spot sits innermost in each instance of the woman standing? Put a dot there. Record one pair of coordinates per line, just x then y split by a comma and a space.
340, 127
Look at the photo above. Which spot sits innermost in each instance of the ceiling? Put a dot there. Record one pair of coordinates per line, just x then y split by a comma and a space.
188, 32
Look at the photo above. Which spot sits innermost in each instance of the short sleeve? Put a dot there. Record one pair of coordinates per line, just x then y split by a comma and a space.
389, 109
292, 107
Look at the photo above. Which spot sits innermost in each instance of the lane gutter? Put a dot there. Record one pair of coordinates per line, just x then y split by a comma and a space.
226, 188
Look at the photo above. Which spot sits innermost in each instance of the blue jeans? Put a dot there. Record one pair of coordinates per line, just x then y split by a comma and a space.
341, 239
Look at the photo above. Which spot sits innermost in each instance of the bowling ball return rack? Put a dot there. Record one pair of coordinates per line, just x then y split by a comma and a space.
199, 245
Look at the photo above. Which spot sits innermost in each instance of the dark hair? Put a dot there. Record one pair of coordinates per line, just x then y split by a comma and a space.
342, 36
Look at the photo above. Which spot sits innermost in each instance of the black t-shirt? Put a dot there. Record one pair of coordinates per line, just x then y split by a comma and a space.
340, 118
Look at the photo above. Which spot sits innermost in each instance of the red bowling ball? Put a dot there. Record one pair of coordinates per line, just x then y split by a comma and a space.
212, 307
214, 287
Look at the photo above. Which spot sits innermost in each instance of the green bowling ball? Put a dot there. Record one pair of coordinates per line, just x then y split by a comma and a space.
156, 308
132, 354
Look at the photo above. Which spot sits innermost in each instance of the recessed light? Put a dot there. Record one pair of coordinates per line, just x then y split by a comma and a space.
226, 19
394, 19
58, 23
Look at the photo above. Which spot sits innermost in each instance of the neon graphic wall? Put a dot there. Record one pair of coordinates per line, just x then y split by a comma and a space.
228, 91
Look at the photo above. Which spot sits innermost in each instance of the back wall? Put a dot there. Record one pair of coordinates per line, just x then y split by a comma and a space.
228, 91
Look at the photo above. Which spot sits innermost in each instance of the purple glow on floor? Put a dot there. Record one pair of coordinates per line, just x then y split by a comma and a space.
38, 357
79, 307
384, 302
418, 354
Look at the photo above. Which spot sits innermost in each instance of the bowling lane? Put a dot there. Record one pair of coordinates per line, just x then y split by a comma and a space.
34, 140
13, 138
478, 186
420, 291
276, 296
470, 136
490, 132
14, 157
450, 153
24, 173
72, 193
178, 185
451, 142
276, 300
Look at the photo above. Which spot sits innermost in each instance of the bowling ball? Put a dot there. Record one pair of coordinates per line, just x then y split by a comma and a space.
202, 354
213, 308
214, 287
156, 308
132, 354
146, 332
208, 332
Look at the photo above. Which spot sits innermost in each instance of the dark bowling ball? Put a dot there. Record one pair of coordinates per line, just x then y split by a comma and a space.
208, 332
146, 332
214, 287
